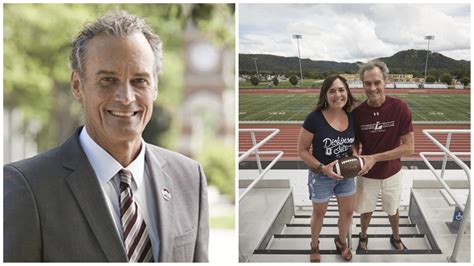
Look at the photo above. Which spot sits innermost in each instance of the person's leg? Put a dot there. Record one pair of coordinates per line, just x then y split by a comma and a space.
317, 217
364, 225
346, 209
366, 201
391, 193
345, 193
395, 239
320, 191
394, 223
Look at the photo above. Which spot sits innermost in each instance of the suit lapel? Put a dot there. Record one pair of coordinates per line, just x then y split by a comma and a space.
88, 193
163, 181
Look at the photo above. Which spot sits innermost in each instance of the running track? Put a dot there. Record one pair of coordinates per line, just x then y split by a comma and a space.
286, 140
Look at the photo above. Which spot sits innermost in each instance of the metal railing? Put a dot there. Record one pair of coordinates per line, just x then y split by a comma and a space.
465, 208
254, 150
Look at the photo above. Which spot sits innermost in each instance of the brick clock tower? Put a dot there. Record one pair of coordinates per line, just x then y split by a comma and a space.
207, 108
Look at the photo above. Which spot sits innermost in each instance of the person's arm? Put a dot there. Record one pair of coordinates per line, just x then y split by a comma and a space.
406, 148
356, 149
202, 241
21, 225
305, 139
356, 146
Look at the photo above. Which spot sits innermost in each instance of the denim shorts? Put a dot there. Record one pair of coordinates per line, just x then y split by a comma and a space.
322, 187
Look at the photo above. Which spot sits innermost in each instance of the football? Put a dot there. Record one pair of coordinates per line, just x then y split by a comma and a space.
348, 166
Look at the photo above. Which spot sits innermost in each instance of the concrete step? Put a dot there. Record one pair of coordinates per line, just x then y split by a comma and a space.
307, 212
375, 243
266, 203
355, 258
334, 211
334, 230
431, 206
326, 220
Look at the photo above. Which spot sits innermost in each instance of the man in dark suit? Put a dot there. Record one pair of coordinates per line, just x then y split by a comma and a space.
106, 194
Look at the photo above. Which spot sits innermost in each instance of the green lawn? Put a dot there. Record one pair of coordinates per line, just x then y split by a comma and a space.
222, 222
295, 107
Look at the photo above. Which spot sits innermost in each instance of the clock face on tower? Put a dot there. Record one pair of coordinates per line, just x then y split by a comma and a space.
203, 57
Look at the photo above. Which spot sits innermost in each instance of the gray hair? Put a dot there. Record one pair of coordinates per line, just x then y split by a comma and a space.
371, 65
115, 23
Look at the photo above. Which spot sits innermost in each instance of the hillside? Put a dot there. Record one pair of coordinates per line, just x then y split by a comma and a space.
409, 61
416, 60
280, 64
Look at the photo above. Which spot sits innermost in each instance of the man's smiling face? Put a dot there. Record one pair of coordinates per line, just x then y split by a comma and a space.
117, 88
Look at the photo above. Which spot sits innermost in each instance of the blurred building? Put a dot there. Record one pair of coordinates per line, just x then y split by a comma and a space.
400, 77
350, 77
391, 77
18, 137
208, 103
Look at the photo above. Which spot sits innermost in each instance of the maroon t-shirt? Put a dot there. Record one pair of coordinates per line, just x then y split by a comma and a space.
380, 129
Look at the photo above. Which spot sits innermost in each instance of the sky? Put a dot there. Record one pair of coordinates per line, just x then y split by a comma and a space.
354, 32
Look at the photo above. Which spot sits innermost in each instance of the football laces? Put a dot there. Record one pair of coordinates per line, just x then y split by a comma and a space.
349, 161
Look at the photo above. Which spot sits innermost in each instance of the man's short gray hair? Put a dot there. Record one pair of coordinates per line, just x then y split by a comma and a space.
371, 65
114, 23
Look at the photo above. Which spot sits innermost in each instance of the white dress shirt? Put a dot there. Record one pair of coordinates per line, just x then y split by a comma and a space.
143, 186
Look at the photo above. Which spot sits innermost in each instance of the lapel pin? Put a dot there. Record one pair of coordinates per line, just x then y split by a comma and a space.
166, 194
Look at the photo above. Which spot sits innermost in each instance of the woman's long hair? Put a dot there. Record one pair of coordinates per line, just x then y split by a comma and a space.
327, 83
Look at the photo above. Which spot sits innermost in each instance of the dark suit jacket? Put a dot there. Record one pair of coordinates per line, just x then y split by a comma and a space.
54, 209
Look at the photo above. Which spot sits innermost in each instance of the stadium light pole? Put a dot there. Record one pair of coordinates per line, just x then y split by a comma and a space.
256, 68
298, 37
428, 37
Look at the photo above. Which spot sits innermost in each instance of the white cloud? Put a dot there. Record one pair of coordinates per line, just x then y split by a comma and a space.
353, 32
458, 54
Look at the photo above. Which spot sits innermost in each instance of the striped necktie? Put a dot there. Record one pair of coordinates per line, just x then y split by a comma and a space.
135, 234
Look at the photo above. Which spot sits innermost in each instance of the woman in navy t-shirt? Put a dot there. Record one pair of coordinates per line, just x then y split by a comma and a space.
329, 129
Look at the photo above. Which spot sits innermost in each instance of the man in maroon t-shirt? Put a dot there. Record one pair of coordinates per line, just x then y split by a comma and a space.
384, 133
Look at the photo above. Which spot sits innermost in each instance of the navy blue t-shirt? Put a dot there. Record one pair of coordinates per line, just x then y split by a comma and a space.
329, 144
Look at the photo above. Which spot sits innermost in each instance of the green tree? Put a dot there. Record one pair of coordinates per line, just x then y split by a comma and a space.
219, 167
244, 72
456, 73
430, 78
293, 80
254, 80
307, 74
446, 78
36, 74
319, 75
290, 73
465, 81
275, 81
415, 73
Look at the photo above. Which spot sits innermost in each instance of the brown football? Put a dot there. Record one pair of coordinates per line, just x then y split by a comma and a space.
348, 166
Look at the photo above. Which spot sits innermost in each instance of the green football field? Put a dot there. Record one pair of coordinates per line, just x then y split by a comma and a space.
295, 107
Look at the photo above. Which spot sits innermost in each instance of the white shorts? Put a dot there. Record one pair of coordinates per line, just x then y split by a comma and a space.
369, 188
